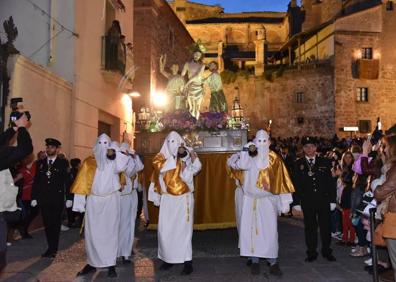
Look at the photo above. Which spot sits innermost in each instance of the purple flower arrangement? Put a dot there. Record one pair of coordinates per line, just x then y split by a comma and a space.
178, 120
213, 121
184, 121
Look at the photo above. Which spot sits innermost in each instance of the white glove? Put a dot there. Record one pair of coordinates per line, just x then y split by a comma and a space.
333, 206
297, 208
69, 204
33, 203
79, 203
285, 207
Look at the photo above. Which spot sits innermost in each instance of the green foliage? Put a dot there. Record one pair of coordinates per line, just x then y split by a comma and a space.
229, 77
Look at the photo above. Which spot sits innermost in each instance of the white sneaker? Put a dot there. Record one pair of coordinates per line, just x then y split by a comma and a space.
9, 244
64, 228
369, 261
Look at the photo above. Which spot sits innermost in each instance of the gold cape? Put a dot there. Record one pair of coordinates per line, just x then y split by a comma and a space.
174, 184
276, 175
83, 183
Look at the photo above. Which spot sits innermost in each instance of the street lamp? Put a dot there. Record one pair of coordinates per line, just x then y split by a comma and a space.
143, 117
237, 112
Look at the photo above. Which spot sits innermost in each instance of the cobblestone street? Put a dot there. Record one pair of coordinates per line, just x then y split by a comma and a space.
216, 258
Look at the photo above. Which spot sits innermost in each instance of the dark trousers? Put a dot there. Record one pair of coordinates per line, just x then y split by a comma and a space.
52, 218
29, 214
314, 217
3, 242
361, 234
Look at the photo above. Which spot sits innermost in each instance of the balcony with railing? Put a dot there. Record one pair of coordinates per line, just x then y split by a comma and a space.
366, 69
113, 55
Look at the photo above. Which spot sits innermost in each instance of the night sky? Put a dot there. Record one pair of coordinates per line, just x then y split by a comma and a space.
248, 5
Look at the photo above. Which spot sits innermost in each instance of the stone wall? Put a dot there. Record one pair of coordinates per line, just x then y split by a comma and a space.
238, 33
263, 100
157, 31
186, 10
381, 91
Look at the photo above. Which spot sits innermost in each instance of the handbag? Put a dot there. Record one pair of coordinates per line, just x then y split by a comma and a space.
378, 236
8, 192
389, 225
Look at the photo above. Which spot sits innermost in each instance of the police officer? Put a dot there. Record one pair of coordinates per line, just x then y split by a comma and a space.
317, 194
48, 191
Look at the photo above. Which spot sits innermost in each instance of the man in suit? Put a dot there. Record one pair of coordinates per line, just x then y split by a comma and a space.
317, 194
49, 191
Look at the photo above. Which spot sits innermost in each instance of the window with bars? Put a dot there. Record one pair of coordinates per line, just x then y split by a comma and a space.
362, 94
367, 53
389, 5
299, 97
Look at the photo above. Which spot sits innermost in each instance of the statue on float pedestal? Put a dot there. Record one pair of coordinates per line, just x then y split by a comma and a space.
218, 101
175, 86
194, 89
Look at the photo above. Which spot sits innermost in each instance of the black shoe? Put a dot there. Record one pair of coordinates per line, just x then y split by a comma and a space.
125, 260
275, 270
111, 273
166, 266
27, 236
255, 270
330, 258
311, 258
86, 270
249, 262
49, 254
188, 268
45, 254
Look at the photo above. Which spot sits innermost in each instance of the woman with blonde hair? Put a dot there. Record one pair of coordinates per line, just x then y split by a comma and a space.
387, 192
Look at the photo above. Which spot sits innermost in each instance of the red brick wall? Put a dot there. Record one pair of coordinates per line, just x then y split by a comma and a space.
153, 22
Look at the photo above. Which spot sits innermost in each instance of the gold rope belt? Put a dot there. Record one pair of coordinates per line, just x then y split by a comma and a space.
104, 196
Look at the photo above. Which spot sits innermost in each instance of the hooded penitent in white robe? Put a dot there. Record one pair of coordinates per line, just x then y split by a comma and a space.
238, 190
129, 203
102, 215
258, 228
172, 190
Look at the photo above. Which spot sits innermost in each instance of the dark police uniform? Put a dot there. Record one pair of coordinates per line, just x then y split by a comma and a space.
49, 188
315, 190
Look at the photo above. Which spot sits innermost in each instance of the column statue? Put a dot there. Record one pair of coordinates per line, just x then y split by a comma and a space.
193, 89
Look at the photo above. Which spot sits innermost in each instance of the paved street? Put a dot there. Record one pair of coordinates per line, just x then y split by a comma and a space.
215, 259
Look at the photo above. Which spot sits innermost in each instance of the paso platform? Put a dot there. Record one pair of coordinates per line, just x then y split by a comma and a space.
214, 190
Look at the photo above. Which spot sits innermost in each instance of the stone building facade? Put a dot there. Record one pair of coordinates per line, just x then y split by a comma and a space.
336, 71
157, 31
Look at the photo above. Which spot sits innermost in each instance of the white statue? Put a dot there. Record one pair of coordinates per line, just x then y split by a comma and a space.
194, 89
175, 86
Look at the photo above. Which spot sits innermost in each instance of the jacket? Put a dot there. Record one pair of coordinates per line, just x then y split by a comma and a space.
9, 155
388, 189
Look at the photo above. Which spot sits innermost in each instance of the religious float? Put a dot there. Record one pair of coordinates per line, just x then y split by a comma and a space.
214, 135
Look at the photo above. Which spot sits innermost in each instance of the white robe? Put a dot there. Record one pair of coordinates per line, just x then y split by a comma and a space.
238, 198
102, 214
176, 218
259, 229
129, 204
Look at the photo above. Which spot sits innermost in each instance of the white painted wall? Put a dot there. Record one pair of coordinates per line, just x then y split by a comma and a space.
34, 32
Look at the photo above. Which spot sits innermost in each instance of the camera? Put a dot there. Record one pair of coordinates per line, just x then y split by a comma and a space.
182, 152
377, 133
15, 113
